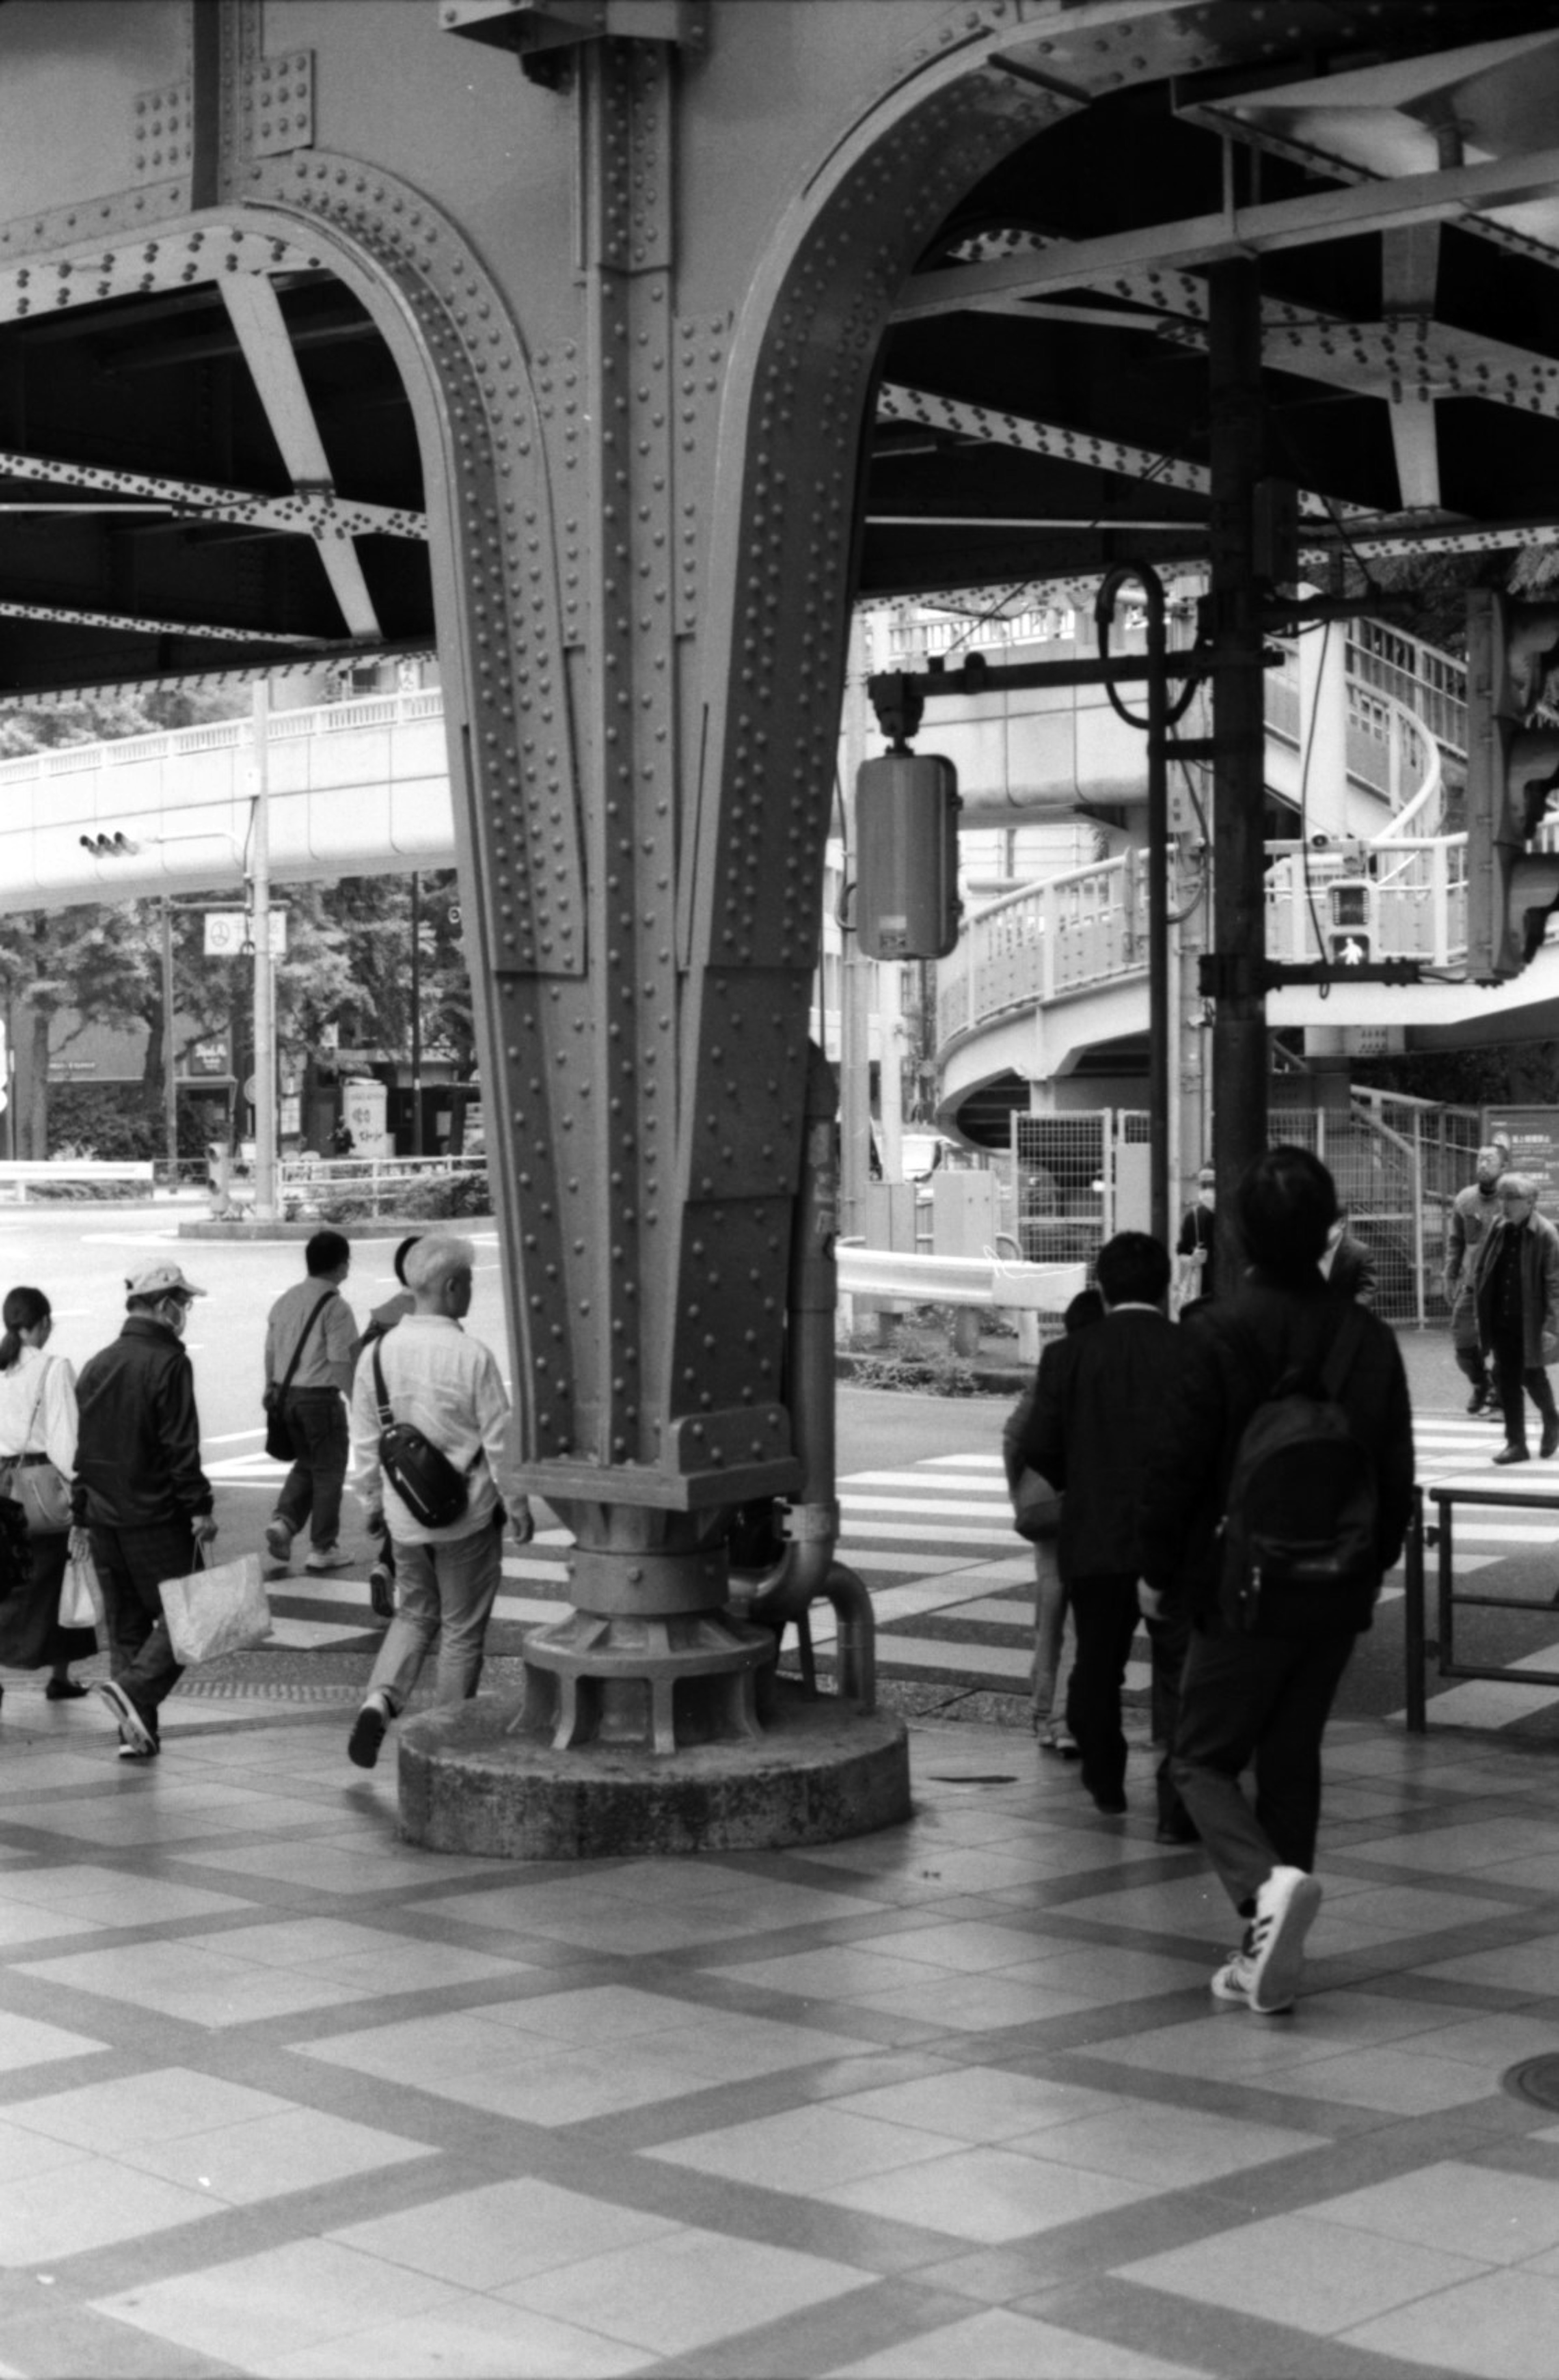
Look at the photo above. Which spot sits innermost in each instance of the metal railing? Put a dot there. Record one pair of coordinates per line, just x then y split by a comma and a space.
224, 735
377, 1181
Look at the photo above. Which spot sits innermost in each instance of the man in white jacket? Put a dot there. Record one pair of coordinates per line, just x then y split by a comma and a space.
448, 1386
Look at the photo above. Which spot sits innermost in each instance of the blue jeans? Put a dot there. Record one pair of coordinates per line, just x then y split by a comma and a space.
444, 1596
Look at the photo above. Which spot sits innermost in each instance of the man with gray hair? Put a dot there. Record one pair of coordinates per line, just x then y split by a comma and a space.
430, 1374
1515, 1296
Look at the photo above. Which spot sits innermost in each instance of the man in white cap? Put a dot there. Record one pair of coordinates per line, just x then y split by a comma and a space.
140, 1491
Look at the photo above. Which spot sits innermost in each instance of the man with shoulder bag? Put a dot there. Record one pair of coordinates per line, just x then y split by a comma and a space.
1277, 1493
429, 1418
311, 1341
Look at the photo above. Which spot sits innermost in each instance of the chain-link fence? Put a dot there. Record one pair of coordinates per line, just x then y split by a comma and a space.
1397, 1163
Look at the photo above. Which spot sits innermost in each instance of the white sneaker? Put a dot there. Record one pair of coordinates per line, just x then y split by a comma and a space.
1230, 1985
1286, 1910
327, 1558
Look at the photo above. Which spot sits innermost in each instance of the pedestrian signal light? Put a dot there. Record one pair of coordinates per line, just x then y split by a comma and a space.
1511, 772
907, 855
1351, 940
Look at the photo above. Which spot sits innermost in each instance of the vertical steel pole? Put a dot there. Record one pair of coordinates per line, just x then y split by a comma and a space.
170, 1089
1161, 1024
1240, 1029
264, 976
415, 1014
1413, 1631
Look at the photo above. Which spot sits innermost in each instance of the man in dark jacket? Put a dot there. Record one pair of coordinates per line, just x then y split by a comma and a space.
1516, 1297
1097, 1394
140, 1491
1249, 1696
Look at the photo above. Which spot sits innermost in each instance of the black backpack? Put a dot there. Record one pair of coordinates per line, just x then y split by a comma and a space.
1300, 1532
428, 1484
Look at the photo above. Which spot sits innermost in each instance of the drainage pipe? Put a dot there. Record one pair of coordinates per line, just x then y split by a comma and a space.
807, 1572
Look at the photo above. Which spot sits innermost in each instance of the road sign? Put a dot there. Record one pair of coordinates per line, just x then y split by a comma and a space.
230, 933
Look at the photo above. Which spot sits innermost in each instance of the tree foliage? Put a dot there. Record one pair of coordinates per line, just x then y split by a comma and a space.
345, 975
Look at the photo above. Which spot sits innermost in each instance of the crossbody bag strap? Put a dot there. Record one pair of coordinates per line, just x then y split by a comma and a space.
386, 1411
303, 1340
36, 1402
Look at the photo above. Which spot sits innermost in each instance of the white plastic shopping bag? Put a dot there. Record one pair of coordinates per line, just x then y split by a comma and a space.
218, 1610
80, 1597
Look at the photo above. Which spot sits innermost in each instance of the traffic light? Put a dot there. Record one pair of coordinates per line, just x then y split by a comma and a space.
1512, 769
1350, 941
907, 855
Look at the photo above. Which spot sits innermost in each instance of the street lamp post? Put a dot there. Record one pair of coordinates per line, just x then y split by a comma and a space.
265, 978
170, 1089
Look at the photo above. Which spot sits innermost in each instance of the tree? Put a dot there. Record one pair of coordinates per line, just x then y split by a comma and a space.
100, 959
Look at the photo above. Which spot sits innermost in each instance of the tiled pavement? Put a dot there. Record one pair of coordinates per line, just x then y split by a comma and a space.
279, 2094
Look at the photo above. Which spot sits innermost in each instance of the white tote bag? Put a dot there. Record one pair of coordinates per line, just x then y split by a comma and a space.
222, 1609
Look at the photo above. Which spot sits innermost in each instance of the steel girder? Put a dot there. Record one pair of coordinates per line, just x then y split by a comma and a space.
637, 318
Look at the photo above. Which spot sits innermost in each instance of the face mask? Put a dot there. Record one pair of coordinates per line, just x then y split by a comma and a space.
1205, 1197
176, 1315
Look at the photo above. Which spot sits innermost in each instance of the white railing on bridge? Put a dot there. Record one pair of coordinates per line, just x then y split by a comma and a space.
224, 736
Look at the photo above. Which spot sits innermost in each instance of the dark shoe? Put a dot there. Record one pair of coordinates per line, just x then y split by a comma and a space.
1513, 1454
1550, 1444
1110, 1802
1479, 1399
64, 1690
367, 1732
1176, 1831
279, 1534
138, 1752
132, 1727
381, 1592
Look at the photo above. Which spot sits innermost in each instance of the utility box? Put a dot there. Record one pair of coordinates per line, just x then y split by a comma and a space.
906, 857
963, 1214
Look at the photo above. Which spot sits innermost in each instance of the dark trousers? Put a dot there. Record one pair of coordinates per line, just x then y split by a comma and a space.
316, 1423
131, 1566
1104, 1617
1470, 1363
1515, 1381
1262, 1699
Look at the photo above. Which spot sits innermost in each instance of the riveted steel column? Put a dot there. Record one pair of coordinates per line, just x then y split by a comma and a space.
647, 1651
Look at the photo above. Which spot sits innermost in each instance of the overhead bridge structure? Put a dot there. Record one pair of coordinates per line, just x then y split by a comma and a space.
613, 353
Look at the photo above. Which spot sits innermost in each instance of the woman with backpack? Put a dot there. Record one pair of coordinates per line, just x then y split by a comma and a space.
38, 1437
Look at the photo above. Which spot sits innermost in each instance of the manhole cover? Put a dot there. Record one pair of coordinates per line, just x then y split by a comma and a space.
1536, 2079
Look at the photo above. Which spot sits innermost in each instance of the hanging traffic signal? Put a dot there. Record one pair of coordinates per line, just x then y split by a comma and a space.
907, 855
1512, 770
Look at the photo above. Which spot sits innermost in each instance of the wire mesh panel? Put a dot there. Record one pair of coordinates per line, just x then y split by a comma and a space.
1061, 1177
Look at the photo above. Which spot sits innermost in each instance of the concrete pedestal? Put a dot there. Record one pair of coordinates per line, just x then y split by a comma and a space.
818, 1772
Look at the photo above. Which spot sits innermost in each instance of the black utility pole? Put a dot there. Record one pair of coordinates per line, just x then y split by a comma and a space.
1238, 461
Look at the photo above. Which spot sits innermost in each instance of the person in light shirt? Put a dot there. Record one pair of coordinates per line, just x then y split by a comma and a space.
38, 1425
448, 1385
